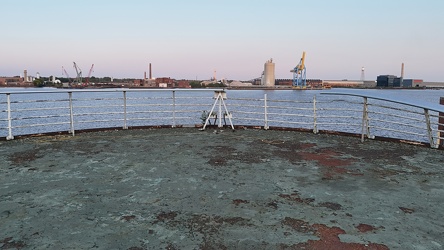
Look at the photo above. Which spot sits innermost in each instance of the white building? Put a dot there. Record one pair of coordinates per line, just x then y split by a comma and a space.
268, 76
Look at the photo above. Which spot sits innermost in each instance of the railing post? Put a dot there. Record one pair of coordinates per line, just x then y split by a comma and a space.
220, 112
364, 120
429, 129
125, 126
315, 118
8, 100
174, 109
265, 113
71, 115
441, 125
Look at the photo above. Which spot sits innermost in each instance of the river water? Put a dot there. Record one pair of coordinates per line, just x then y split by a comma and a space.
108, 102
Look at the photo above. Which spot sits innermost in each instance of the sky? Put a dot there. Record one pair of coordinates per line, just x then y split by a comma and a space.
192, 39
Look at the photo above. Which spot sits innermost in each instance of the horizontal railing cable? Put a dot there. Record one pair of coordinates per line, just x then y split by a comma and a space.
21, 113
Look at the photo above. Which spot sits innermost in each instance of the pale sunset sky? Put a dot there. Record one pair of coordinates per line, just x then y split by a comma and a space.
190, 39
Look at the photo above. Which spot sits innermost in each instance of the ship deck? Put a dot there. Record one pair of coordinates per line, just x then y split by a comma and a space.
218, 189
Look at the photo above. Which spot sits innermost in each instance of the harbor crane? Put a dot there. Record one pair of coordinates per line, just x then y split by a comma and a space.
66, 74
89, 74
79, 74
299, 74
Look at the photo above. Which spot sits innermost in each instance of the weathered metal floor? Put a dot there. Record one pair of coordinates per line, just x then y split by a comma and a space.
190, 189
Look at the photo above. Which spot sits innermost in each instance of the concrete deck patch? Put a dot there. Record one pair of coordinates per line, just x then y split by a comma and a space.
218, 189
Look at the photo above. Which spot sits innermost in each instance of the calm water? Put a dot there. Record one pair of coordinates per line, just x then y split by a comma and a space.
109, 102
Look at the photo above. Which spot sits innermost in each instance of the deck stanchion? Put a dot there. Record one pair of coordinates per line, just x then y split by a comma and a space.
441, 124
71, 115
174, 109
429, 129
265, 113
125, 126
364, 119
315, 119
365, 122
8, 100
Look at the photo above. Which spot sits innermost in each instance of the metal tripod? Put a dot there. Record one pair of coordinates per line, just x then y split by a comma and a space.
219, 97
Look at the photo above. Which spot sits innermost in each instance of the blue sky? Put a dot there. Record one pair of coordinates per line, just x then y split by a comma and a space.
190, 39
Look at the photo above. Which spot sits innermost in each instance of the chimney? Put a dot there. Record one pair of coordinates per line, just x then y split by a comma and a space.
151, 75
402, 71
402, 75
144, 76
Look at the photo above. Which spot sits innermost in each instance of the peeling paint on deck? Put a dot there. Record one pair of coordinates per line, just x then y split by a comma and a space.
248, 189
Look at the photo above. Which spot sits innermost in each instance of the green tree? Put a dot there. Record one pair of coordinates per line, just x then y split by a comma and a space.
195, 84
106, 79
38, 83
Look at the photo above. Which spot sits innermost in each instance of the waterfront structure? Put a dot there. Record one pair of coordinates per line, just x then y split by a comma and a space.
388, 81
25, 75
268, 76
299, 74
343, 83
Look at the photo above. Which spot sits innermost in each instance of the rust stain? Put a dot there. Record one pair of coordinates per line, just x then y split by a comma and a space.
326, 158
298, 225
407, 210
128, 217
331, 205
328, 237
334, 166
166, 216
9, 243
307, 145
364, 228
237, 202
295, 197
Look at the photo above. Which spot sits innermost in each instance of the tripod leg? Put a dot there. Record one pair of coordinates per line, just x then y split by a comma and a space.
228, 114
209, 114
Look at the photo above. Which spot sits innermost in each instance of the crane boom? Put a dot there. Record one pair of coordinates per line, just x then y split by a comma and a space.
89, 74
66, 74
79, 73
302, 63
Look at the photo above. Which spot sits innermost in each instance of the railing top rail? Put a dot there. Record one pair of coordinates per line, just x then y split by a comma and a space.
380, 96
102, 90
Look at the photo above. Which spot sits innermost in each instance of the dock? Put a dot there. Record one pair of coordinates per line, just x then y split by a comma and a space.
182, 188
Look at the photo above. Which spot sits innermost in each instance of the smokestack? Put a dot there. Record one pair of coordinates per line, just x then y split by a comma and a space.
402, 75
151, 75
402, 71
144, 76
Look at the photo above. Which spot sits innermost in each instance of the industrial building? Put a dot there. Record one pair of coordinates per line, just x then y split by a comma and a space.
388, 81
391, 81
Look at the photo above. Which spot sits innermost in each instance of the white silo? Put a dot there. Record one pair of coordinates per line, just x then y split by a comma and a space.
25, 75
268, 77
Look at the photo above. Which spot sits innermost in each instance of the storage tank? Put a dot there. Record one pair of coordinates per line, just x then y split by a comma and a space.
25, 75
268, 78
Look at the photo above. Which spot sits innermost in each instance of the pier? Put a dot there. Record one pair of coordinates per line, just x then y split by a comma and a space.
182, 188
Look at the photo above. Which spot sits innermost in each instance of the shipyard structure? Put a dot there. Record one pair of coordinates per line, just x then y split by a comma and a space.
266, 80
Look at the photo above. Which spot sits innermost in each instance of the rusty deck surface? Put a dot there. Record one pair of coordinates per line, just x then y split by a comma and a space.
218, 189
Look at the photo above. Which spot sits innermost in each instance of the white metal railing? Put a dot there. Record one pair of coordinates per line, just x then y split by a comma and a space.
34, 112
400, 117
